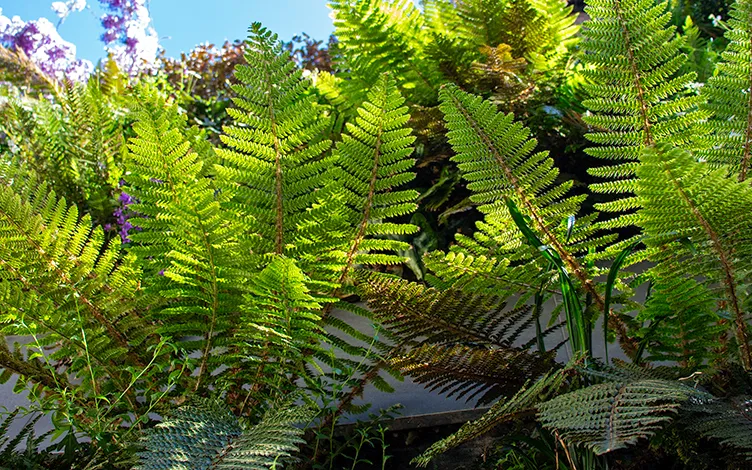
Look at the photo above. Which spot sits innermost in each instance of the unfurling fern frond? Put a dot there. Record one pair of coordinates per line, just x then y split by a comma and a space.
208, 436
729, 98
614, 415
696, 222
638, 98
274, 167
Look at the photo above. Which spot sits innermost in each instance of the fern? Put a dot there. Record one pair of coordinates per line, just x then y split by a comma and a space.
208, 436
638, 98
728, 99
63, 286
495, 155
274, 165
183, 227
613, 415
686, 199
373, 155
726, 421
523, 403
378, 36
280, 328
459, 343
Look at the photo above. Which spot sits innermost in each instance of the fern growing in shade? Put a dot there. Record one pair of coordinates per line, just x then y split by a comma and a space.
454, 341
207, 435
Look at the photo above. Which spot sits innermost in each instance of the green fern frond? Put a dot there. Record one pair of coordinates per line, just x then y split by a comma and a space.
59, 281
461, 343
729, 98
614, 415
280, 327
686, 200
187, 241
378, 36
274, 166
467, 372
208, 436
638, 97
524, 403
374, 157
496, 157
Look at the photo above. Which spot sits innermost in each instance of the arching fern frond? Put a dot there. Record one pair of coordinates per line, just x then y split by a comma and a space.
496, 157
208, 436
378, 36
524, 403
727, 421
696, 222
460, 343
614, 415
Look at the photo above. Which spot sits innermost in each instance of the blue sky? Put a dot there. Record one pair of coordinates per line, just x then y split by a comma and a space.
181, 24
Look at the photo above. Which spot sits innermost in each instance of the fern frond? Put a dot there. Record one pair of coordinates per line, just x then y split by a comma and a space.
463, 343
728, 97
727, 421
280, 328
496, 157
373, 155
638, 96
614, 415
522, 404
683, 199
208, 436
378, 36
273, 164
62, 285
187, 241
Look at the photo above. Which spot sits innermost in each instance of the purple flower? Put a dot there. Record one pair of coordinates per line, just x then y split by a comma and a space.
128, 34
40, 41
123, 213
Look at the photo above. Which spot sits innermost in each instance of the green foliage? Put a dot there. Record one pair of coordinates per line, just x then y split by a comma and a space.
728, 98
613, 415
457, 342
683, 199
638, 96
208, 436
